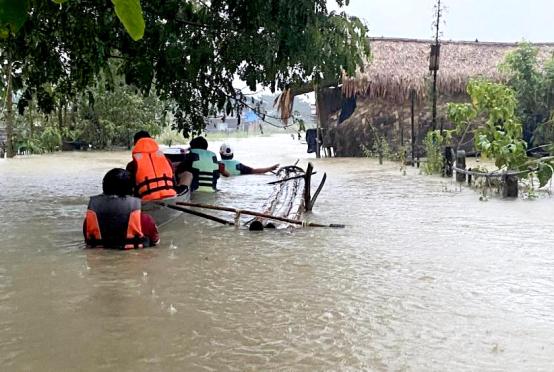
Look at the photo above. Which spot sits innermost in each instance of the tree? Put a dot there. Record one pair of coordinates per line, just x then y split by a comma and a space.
111, 117
492, 117
191, 50
533, 87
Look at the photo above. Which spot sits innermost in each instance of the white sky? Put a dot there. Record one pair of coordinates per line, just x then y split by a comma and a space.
486, 20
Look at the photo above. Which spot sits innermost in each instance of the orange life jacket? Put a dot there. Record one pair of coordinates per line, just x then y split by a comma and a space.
114, 222
154, 174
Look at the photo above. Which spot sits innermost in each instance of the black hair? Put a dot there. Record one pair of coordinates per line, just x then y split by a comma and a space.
226, 157
198, 143
139, 135
117, 182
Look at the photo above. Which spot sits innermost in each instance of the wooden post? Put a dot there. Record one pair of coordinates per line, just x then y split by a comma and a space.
509, 186
307, 187
469, 177
318, 124
448, 162
413, 125
401, 123
461, 163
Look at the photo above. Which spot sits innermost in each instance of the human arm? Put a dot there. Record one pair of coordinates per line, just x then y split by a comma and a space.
223, 171
132, 169
149, 229
184, 175
244, 169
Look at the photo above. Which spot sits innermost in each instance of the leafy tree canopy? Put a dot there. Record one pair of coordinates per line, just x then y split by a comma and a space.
190, 53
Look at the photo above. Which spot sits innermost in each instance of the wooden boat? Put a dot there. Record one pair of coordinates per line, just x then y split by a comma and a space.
163, 215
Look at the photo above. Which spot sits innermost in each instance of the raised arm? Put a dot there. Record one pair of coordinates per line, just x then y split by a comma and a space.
265, 170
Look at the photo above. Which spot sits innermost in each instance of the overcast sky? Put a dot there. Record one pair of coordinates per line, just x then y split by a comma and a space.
486, 20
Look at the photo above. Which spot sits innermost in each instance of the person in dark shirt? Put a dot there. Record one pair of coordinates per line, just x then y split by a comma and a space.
234, 167
107, 225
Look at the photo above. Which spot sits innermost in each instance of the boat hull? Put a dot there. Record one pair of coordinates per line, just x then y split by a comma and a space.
163, 215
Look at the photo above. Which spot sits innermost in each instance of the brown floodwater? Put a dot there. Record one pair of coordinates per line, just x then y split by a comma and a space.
425, 277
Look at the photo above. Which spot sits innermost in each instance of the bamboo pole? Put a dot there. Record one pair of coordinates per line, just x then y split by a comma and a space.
257, 214
196, 213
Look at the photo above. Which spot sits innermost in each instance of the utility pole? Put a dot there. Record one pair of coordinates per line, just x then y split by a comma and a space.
434, 60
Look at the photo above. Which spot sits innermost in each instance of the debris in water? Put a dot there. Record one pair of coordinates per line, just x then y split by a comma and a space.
497, 349
172, 310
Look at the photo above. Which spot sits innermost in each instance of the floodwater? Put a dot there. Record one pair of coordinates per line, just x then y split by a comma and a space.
424, 278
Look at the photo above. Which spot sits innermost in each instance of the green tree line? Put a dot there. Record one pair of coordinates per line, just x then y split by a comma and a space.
189, 52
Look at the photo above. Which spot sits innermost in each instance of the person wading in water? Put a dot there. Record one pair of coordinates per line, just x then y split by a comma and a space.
200, 168
235, 167
114, 218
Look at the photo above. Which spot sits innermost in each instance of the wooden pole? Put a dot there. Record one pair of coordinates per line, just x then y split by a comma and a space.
288, 179
198, 214
413, 126
318, 125
318, 190
256, 214
307, 187
509, 186
461, 164
448, 162
434, 109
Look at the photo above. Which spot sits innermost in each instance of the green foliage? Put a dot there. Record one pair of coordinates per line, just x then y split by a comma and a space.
112, 117
13, 14
500, 137
534, 90
170, 137
544, 173
191, 51
51, 139
492, 118
433, 144
130, 14
462, 116
102, 117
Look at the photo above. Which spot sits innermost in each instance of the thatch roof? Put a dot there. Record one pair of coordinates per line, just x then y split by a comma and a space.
399, 66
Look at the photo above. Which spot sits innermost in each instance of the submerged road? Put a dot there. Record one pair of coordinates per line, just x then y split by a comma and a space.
425, 277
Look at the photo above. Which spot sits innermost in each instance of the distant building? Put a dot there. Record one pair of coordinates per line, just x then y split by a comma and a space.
399, 70
249, 121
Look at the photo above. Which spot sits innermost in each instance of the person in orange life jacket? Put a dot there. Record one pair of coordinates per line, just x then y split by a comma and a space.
114, 218
200, 169
236, 168
151, 172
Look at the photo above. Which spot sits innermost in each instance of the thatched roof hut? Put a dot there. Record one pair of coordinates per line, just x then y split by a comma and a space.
399, 66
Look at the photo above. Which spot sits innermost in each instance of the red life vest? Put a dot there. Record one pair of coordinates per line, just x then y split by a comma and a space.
154, 174
114, 222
